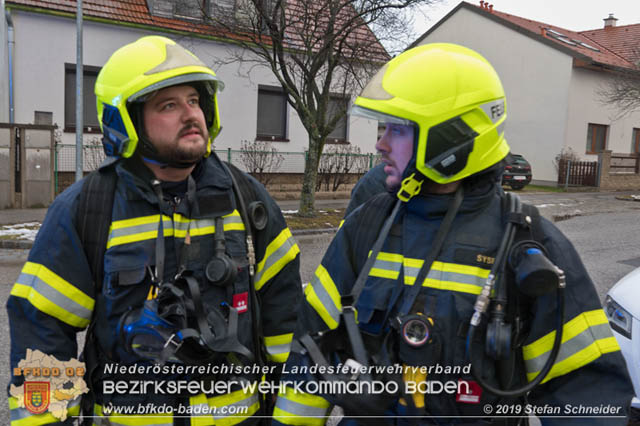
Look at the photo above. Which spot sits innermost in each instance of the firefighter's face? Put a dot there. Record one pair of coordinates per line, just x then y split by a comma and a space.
396, 147
175, 123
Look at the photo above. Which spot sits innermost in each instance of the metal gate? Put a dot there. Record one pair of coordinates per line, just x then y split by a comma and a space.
577, 173
26, 165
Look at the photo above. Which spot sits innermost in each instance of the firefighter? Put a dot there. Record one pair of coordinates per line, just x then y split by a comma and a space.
192, 275
480, 310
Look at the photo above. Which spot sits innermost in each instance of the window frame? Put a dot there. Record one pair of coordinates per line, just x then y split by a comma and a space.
331, 140
87, 70
284, 137
203, 6
591, 145
635, 140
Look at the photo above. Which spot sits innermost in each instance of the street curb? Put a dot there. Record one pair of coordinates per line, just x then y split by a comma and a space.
16, 244
26, 245
314, 231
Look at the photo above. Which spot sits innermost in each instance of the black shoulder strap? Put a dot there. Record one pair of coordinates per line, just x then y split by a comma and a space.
247, 191
94, 218
371, 217
535, 227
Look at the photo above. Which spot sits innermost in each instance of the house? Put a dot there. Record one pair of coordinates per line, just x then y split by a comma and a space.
38, 42
553, 79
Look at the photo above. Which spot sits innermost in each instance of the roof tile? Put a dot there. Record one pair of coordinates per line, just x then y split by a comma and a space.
616, 46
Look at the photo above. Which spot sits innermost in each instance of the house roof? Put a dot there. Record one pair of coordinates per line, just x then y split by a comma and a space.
132, 12
136, 13
624, 40
607, 47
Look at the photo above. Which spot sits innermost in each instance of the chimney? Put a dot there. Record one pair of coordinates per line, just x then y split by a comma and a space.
491, 8
481, 4
610, 21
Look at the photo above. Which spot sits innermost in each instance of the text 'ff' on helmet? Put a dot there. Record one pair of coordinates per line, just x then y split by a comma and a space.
454, 99
136, 71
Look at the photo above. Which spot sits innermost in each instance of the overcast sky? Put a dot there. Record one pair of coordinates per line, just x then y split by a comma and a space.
576, 15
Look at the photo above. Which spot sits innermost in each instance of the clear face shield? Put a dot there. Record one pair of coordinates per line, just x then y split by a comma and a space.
382, 118
396, 143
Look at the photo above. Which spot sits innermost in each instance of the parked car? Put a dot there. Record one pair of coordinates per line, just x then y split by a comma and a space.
517, 172
622, 306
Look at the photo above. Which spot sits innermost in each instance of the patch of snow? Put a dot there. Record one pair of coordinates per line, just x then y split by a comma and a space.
23, 231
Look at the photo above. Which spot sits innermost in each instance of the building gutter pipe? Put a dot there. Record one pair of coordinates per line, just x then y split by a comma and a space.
10, 46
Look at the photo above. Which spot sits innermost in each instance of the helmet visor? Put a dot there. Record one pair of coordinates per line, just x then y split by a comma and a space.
214, 84
381, 117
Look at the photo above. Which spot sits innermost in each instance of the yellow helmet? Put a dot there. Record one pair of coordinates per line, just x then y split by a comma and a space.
137, 70
455, 100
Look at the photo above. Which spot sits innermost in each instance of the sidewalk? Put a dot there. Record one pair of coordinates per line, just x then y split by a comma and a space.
16, 216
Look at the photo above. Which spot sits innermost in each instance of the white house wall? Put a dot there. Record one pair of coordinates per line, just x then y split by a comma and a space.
585, 107
44, 43
535, 78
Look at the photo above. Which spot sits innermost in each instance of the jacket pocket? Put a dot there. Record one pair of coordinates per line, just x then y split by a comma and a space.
373, 303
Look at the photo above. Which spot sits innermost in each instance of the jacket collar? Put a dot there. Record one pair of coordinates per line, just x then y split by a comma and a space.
433, 205
208, 174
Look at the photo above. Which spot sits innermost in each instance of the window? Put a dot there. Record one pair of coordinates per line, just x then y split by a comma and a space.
635, 141
272, 114
596, 138
338, 105
182, 9
90, 114
190, 9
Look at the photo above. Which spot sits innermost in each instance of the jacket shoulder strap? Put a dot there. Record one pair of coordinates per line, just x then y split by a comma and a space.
94, 218
535, 228
370, 220
247, 191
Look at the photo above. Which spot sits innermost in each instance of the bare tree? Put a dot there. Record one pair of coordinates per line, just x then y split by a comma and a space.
565, 154
622, 92
338, 163
317, 50
93, 154
261, 160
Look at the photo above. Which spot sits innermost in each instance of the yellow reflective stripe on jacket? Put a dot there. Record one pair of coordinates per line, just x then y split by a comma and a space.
584, 339
20, 416
146, 227
53, 295
387, 265
322, 294
282, 250
199, 227
138, 229
224, 410
448, 276
134, 419
278, 347
300, 409
442, 276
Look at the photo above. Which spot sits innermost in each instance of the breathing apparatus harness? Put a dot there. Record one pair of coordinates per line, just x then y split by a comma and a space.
417, 334
94, 213
414, 329
535, 276
175, 324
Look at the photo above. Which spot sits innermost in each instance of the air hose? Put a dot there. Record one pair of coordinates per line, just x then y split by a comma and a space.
496, 278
